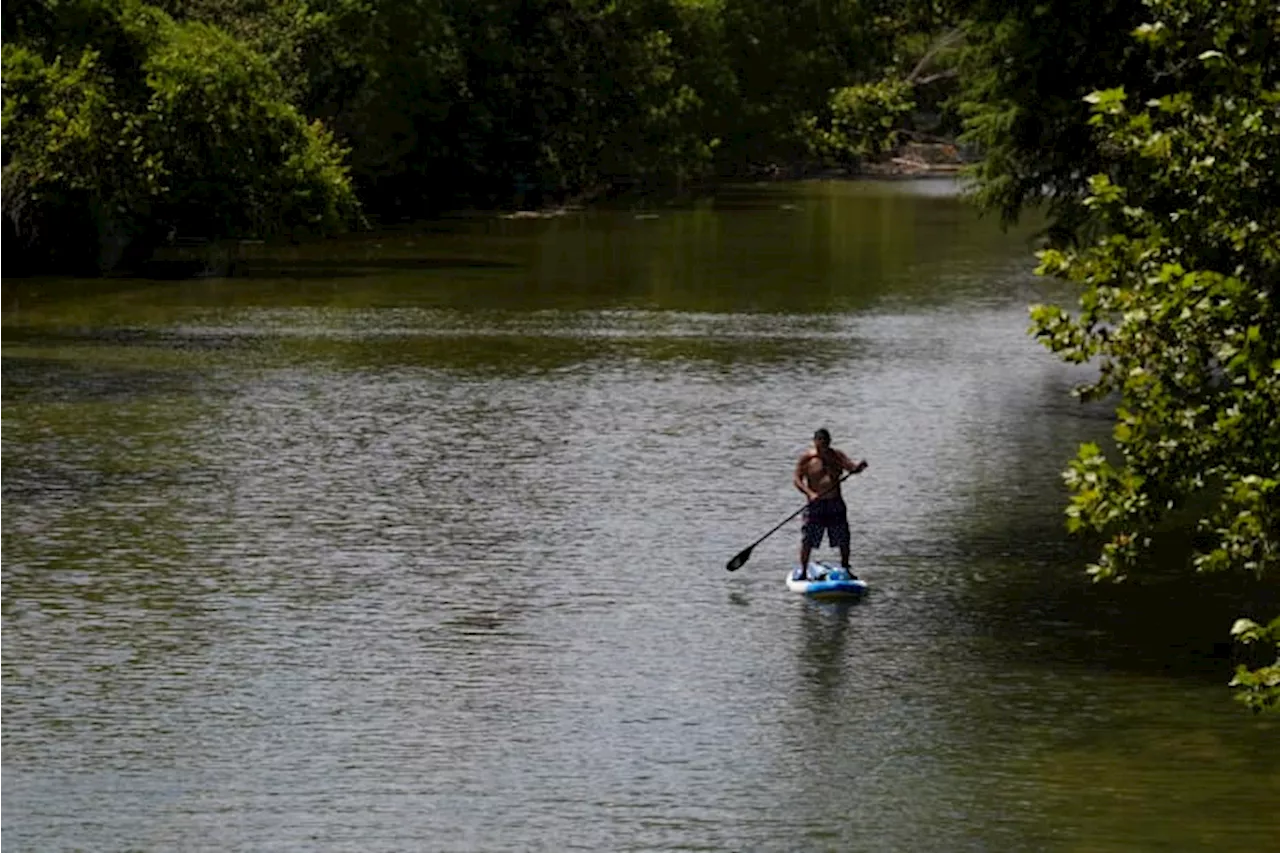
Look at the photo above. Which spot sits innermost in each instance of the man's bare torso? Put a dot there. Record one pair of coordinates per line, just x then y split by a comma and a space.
821, 474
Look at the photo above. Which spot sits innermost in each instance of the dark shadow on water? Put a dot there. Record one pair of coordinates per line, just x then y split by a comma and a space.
358, 264
36, 480
356, 267
1038, 602
48, 380
38, 291
304, 268
39, 336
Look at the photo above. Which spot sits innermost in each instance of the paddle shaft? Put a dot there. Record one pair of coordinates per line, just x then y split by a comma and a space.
737, 562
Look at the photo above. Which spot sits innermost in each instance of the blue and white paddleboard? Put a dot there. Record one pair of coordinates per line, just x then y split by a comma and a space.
826, 582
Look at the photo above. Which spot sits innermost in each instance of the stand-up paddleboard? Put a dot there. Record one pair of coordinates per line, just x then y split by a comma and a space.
826, 582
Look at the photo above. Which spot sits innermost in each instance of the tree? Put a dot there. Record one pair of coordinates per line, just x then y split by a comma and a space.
382, 75
1027, 66
787, 59
902, 87
543, 99
1178, 301
129, 129
865, 120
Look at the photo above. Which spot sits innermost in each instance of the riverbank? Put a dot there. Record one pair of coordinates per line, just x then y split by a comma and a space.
914, 160
223, 258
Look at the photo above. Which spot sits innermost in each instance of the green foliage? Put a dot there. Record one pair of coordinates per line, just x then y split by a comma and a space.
865, 120
659, 139
443, 100
787, 59
676, 85
1178, 300
72, 161
240, 160
436, 102
383, 75
1026, 67
1259, 688
188, 134
571, 95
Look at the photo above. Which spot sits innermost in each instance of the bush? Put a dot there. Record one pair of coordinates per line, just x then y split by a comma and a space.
864, 121
187, 134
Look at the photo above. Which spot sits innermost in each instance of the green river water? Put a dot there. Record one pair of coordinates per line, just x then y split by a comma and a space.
416, 540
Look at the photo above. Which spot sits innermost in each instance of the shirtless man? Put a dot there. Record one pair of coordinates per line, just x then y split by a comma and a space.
818, 475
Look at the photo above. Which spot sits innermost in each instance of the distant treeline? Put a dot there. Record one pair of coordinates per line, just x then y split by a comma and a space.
131, 124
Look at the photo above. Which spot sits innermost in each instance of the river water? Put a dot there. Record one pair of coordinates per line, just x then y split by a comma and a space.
416, 541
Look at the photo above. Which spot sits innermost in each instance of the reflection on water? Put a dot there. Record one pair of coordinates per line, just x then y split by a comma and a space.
822, 647
416, 540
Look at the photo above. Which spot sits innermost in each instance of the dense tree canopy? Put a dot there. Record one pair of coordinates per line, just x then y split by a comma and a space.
1026, 69
436, 103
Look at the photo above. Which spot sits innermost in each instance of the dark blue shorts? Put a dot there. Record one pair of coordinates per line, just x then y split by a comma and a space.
826, 516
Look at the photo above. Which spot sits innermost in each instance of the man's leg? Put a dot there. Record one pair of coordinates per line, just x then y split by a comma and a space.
810, 526
842, 534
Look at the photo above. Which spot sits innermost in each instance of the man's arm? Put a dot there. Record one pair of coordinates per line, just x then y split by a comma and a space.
849, 465
801, 479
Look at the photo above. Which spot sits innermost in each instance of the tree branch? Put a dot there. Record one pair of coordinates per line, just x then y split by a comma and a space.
946, 40
941, 75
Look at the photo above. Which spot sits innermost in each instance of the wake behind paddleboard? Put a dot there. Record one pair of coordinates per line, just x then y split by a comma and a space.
826, 582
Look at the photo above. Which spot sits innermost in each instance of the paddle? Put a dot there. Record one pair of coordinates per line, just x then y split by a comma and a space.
745, 554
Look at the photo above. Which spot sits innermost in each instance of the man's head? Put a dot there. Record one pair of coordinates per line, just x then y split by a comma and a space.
822, 439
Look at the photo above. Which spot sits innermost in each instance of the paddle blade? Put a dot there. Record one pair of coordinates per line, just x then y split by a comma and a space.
738, 561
